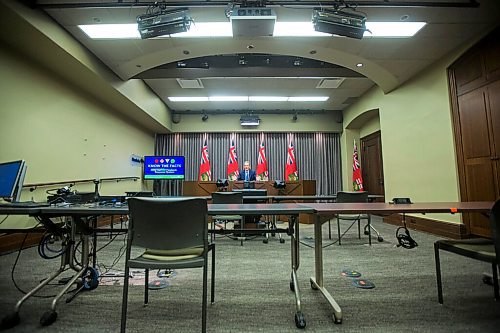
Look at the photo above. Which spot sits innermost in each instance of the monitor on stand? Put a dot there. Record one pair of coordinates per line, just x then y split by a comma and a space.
11, 180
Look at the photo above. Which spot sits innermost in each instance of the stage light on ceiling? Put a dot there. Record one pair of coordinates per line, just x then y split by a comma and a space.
159, 21
339, 22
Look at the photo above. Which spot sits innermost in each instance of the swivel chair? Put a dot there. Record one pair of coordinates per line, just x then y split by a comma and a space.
174, 235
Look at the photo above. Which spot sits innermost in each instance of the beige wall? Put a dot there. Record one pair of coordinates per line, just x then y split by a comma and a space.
417, 139
47, 43
269, 123
63, 133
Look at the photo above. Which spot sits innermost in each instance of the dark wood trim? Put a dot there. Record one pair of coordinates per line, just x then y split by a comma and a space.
12, 242
457, 133
439, 228
372, 135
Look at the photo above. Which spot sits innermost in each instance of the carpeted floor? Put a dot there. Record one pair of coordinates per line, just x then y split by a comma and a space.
253, 291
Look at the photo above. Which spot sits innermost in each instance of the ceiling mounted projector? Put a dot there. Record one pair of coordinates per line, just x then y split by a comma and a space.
163, 22
249, 121
337, 22
253, 21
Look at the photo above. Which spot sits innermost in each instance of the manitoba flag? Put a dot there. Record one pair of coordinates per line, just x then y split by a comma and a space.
205, 174
357, 181
262, 173
232, 163
291, 166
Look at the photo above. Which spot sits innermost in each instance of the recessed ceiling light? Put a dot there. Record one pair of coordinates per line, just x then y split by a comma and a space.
308, 99
359, 65
223, 29
249, 98
267, 98
393, 29
228, 98
188, 99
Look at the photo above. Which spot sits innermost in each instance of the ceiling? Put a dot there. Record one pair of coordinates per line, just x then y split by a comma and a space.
277, 66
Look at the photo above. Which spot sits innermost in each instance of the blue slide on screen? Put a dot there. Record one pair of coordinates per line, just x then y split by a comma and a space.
164, 167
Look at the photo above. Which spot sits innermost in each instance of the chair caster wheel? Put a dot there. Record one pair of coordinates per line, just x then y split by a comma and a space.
337, 321
366, 232
300, 321
265, 241
292, 287
282, 241
90, 278
48, 318
10, 320
380, 239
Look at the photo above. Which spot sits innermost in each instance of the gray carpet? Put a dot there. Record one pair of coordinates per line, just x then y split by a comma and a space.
253, 293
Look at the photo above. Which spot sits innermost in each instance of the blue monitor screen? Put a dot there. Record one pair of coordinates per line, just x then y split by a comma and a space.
164, 167
9, 175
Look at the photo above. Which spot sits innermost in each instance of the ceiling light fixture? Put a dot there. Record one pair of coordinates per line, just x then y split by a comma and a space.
188, 99
228, 98
267, 98
249, 98
223, 29
308, 99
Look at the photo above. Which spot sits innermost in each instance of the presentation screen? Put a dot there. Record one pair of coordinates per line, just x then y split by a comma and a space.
164, 167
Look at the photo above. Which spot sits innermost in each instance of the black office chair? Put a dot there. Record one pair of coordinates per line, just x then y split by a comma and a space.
352, 197
227, 198
174, 235
487, 250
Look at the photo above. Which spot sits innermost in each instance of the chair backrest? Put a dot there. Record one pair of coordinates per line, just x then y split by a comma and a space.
167, 224
227, 197
343, 197
495, 227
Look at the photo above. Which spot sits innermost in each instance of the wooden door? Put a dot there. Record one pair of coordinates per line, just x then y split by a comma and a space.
474, 82
479, 172
372, 164
493, 99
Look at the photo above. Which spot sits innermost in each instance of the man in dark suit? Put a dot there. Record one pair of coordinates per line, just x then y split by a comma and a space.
247, 174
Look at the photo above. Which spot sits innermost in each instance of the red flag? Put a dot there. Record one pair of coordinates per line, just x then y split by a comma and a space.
262, 173
232, 163
357, 180
291, 165
205, 174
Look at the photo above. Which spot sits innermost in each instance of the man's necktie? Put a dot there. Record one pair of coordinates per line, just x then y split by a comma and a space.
246, 175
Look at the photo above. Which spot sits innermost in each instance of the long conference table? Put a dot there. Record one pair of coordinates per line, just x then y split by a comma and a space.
77, 213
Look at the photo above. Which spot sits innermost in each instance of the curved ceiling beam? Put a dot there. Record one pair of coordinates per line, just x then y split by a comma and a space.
362, 118
205, 47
